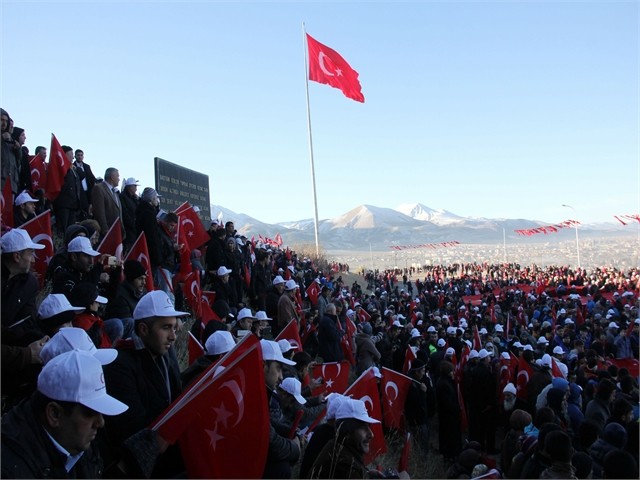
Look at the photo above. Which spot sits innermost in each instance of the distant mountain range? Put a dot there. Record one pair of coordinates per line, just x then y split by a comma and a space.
368, 226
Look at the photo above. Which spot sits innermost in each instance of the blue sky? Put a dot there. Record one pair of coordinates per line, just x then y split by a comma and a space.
485, 109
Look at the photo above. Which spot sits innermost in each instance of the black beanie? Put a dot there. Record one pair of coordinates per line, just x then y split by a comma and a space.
133, 269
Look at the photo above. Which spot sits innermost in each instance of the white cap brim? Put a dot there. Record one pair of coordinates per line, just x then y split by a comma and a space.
105, 355
105, 404
101, 299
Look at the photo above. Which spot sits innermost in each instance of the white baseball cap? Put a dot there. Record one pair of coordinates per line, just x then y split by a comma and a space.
528, 347
16, 240
278, 280
71, 338
291, 268
499, 329
473, 354
546, 360
509, 388
557, 350
285, 347
220, 341
245, 313
613, 325
290, 285
82, 245
131, 181
333, 402
431, 329
77, 376
450, 351
262, 315
352, 408
156, 304
293, 387
223, 271
483, 331
505, 355
24, 197
56, 303
518, 345
441, 342
451, 330
568, 321
271, 351
543, 340
415, 333
483, 353
376, 372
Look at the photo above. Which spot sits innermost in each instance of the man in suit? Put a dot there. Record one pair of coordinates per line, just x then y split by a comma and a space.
105, 201
88, 183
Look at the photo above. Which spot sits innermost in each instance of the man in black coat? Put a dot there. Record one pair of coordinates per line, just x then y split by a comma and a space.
146, 222
52, 435
129, 202
146, 375
329, 336
67, 204
88, 181
483, 403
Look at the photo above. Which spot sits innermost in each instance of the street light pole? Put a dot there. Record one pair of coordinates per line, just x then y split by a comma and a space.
577, 241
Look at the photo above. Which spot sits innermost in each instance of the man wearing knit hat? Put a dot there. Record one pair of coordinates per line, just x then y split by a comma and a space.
128, 295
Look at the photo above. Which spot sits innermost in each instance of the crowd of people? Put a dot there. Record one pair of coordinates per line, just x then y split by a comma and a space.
524, 371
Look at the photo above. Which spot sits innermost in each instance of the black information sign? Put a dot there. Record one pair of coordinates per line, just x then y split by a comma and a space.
177, 184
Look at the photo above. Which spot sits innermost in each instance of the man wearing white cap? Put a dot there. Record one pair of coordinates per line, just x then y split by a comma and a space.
322, 434
217, 345
26, 209
146, 375
78, 265
286, 307
53, 433
273, 297
343, 456
283, 451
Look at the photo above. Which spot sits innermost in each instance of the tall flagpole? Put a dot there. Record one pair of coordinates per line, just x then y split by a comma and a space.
313, 170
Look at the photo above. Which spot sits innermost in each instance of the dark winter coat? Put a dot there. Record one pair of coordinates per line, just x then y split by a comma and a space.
329, 336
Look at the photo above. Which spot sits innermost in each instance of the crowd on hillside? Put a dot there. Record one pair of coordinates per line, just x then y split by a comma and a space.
526, 371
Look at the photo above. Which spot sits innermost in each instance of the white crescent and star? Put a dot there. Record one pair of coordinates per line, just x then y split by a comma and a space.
45, 238
119, 252
235, 388
525, 375
323, 67
367, 400
394, 387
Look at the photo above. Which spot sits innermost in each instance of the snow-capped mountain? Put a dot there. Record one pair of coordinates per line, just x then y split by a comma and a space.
419, 211
368, 226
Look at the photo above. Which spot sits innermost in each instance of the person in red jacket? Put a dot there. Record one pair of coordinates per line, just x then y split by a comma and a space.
85, 294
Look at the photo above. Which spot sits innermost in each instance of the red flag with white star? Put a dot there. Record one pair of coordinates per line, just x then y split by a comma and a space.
140, 252
38, 173
194, 231
395, 387
291, 334
335, 377
58, 167
112, 242
39, 229
327, 66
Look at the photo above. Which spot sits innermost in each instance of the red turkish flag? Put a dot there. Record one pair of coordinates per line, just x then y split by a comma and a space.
193, 293
185, 254
194, 231
6, 216
335, 376
59, 165
555, 369
395, 387
477, 343
196, 350
404, 456
38, 173
290, 333
365, 388
409, 357
278, 241
112, 242
506, 373
223, 415
39, 229
525, 372
313, 292
327, 66
209, 297
140, 252
363, 315
345, 342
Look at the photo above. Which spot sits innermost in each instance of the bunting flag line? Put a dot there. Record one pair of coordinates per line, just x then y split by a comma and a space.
634, 216
548, 229
452, 243
328, 67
